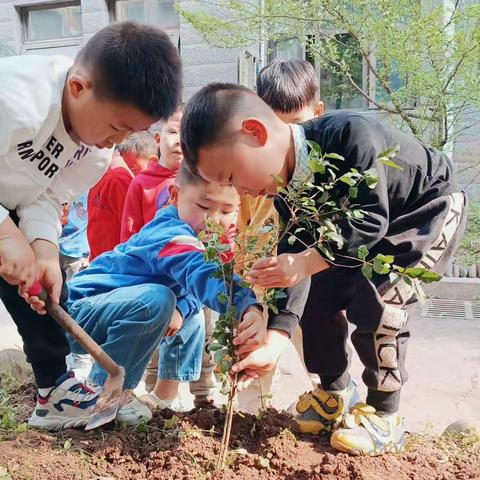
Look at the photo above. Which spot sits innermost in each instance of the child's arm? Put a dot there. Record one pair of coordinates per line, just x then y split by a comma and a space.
132, 217
360, 144
182, 260
17, 260
40, 220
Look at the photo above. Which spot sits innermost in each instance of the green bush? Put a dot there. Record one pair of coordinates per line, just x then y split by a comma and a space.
468, 252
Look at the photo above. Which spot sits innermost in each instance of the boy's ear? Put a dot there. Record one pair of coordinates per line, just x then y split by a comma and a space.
319, 109
173, 190
254, 128
157, 138
77, 85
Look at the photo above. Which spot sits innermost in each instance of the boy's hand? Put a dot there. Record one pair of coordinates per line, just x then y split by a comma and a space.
252, 331
259, 362
49, 275
175, 324
287, 269
17, 259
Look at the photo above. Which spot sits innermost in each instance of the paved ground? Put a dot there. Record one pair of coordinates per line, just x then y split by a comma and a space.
443, 363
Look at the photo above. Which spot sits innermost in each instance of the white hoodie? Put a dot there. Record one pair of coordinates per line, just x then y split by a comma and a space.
41, 167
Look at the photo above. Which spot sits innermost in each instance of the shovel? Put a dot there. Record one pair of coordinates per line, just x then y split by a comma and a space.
109, 399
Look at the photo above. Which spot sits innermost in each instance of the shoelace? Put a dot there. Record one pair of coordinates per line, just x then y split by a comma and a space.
81, 391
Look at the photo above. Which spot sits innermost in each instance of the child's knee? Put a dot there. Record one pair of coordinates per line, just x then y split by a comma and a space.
160, 302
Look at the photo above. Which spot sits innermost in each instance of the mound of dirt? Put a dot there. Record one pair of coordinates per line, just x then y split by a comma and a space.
185, 446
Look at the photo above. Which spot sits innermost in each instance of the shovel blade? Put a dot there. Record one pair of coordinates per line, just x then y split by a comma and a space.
102, 417
108, 401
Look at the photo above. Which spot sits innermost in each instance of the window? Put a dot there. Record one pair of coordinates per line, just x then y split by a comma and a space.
161, 13
290, 49
248, 68
335, 90
50, 22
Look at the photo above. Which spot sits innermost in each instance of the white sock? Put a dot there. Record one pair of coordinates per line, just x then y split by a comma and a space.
43, 392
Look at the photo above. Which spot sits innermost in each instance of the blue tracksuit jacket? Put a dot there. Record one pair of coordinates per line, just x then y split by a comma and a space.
165, 251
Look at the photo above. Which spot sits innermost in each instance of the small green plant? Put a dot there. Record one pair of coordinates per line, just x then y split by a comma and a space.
8, 411
316, 210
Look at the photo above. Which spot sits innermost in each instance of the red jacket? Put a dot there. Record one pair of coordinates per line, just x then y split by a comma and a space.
105, 208
148, 192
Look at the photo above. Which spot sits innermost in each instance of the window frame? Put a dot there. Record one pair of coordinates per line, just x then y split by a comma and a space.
111, 4
28, 44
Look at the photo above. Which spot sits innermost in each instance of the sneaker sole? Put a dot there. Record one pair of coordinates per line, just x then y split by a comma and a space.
391, 448
56, 423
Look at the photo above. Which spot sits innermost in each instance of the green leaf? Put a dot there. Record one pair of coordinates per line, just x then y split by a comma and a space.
218, 356
386, 258
291, 239
225, 365
213, 347
390, 163
326, 252
414, 272
316, 167
371, 177
380, 267
390, 152
362, 253
222, 298
353, 192
279, 182
357, 214
314, 146
334, 156
430, 277
367, 271
171, 423
346, 178
335, 237
273, 308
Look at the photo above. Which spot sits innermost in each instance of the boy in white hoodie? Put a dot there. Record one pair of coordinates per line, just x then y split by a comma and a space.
58, 121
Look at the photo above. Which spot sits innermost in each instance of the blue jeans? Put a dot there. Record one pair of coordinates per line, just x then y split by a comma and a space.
128, 323
180, 356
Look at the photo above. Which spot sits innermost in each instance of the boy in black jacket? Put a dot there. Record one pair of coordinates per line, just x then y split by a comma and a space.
230, 136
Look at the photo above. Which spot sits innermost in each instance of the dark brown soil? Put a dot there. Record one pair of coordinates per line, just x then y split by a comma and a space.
185, 447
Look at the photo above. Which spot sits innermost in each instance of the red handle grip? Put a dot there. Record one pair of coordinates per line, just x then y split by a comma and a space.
35, 290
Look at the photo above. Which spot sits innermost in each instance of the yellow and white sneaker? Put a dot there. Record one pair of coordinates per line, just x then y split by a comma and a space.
365, 432
320, 411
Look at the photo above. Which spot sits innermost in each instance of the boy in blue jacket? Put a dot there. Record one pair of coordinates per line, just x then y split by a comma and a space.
126, 298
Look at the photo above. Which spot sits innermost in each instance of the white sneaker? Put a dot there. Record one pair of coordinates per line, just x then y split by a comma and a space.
134, 412
157, 403
69, 404
79, 364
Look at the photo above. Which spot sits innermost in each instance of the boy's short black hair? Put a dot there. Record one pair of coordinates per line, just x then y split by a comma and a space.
208, 112
135, 64
288, 85
186, 177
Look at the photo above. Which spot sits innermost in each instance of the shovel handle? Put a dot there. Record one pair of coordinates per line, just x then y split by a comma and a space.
76, 331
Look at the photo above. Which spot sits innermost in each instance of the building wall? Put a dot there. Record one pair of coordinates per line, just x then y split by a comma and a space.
202, 62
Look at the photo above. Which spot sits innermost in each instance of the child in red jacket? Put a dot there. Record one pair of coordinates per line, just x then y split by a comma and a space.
106, 199
150, 189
